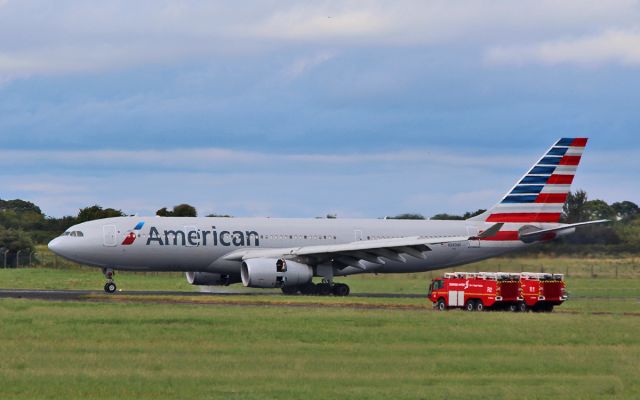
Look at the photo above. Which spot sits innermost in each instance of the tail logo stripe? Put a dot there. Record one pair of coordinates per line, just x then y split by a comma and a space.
539, 196
550, 161
535, 179
558, 151
527, 189
542, 170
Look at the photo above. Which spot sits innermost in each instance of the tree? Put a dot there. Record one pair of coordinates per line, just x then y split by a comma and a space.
163, 212
19, 206
181, 210
470, 214
184, 210
573, 210
445, 216
14, 240
625, 210
407, 216
598, 209
453, 217
97, 212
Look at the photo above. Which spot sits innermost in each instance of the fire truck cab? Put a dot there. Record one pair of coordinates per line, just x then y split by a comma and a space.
476, 291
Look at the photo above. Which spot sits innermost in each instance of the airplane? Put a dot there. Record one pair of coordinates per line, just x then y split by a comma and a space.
289, 253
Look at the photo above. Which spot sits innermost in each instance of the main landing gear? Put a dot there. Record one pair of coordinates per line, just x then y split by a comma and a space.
110, 286
318, 289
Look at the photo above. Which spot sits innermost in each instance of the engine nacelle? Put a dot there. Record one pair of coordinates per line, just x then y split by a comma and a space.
211, 279
273, 273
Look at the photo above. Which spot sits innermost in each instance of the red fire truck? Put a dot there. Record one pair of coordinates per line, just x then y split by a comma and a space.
476, 291
541, 291
498, 290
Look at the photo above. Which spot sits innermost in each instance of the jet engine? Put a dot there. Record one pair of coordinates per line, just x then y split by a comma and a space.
211, 279
273, 273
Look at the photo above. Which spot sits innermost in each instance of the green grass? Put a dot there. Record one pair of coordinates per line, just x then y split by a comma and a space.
130, 350
282, 347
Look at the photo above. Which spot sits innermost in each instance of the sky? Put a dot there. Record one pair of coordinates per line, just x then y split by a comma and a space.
304, 108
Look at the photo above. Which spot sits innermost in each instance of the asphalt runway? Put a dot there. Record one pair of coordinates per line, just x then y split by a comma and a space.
83, 294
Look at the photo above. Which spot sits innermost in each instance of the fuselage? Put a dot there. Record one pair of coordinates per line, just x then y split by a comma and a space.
200, 244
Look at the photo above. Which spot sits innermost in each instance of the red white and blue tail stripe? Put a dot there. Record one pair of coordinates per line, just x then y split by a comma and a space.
540, 195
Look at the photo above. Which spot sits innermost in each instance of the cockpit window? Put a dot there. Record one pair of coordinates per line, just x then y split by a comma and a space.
74, 234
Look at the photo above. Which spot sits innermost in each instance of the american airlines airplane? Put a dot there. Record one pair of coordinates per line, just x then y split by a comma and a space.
288, 253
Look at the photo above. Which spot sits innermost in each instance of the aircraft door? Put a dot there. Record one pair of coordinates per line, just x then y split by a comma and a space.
357, 235
109, 235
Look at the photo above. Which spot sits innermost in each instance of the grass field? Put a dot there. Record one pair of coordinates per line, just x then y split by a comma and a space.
281, 347
128, 350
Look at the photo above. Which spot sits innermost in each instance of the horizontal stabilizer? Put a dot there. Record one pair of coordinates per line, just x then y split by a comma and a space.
491, 231
529, 237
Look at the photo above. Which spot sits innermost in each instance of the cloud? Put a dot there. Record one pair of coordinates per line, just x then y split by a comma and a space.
71, 37
207, 158
614, 46
304, 64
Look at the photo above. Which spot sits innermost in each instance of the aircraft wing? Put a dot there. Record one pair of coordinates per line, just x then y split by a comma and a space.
352, 254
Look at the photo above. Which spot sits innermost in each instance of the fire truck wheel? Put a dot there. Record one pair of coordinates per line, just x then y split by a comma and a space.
479, 306
513, 307
522, 307
470, 305
441, 305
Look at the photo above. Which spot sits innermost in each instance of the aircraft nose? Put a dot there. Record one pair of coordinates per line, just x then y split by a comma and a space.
55, 245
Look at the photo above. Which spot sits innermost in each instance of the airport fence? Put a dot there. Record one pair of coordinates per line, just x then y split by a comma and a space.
17, 259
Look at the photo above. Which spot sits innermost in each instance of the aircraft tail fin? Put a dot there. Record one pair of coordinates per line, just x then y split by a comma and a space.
538, 197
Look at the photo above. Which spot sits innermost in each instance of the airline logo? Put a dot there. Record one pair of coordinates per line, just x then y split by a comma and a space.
132, 234
540, 195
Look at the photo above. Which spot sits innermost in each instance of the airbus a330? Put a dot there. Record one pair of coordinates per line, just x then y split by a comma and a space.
289, 253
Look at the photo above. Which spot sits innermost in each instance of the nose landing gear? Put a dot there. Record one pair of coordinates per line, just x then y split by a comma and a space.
110, 286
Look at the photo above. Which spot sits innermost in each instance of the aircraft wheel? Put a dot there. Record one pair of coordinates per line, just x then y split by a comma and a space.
110, 287
479, 305
340, 289
309, 289
324, 289
469, 305
290, 290
441, 305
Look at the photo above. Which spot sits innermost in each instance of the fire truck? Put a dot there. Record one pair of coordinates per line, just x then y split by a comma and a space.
476, 291
498, 291
541, 291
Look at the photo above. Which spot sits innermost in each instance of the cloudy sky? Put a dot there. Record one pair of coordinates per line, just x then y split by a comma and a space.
294, 108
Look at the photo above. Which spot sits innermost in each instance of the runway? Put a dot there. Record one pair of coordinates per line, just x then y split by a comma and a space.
84, 294
229, 299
